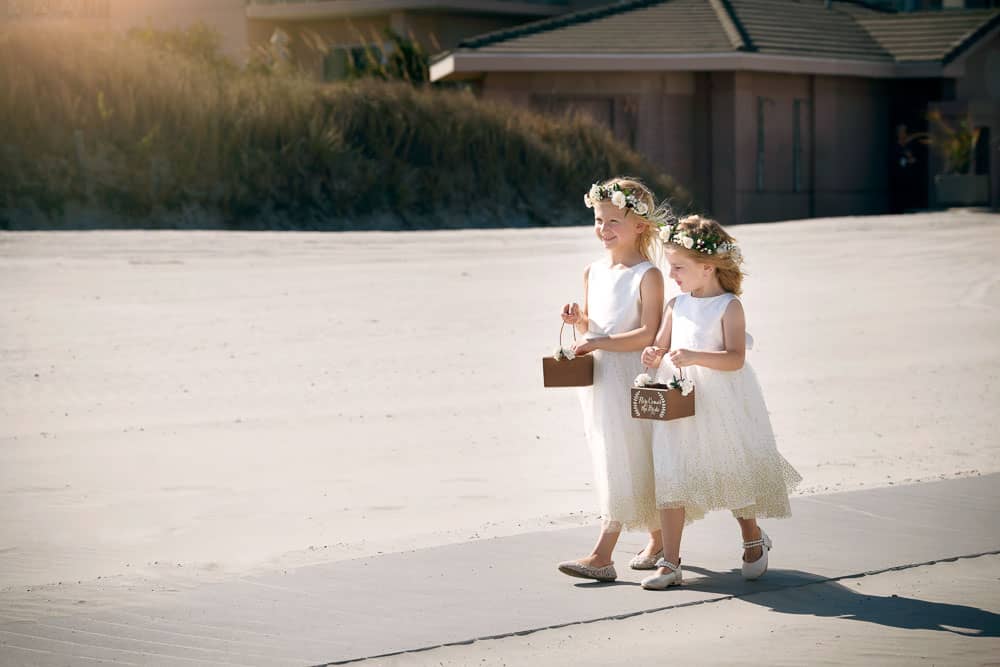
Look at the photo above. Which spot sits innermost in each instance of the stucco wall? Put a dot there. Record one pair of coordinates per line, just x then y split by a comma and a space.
977, 92
304, 36
765, 174
226, 16
852, 146
434, 32
981, 78
654, 112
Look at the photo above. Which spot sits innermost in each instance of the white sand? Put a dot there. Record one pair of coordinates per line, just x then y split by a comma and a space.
183, 406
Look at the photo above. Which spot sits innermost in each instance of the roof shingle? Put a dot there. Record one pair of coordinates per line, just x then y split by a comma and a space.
846, 30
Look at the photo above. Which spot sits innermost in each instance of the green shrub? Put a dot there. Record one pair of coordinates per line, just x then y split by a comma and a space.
142, 133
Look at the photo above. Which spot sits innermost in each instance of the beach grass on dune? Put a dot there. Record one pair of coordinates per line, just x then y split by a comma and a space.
155, 137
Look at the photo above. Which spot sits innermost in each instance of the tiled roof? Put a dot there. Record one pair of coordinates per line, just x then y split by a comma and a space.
846, 30
677, 26
807, 28
937, 36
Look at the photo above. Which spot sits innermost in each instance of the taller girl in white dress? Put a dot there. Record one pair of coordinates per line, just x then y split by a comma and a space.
623, 304
725, 456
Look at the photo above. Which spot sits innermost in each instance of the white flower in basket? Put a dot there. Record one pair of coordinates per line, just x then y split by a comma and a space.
565, 368
563, 353
643, 380
685, 384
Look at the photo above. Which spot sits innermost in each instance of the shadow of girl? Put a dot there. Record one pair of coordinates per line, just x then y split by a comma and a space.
797, 592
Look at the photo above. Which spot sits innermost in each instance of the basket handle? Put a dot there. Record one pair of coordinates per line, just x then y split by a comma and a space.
563, 328
645, 369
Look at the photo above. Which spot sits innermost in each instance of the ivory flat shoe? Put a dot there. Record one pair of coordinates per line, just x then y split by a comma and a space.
660, 582
575, 569
756, 569
640, 562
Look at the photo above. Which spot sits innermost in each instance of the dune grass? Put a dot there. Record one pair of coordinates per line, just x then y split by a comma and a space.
155, 137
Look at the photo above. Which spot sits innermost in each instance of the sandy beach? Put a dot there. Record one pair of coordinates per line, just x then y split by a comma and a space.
183, 407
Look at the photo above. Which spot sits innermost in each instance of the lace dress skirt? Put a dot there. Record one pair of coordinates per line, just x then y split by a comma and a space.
620, 446
725, 456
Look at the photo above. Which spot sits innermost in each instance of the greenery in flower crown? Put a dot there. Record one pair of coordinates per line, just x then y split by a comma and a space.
708, 243
623, 198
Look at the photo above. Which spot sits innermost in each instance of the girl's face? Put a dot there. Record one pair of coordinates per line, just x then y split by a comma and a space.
615, 229
689, 274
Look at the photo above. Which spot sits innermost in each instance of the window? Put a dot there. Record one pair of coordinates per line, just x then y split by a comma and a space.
760, 144
797, 146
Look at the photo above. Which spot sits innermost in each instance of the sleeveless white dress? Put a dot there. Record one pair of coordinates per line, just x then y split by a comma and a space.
620, 446
725, 456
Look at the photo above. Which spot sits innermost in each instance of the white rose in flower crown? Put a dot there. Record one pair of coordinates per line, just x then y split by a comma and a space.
687, 242
595, 192
587, 202
641, 208
735, 254
665, 234
618, 198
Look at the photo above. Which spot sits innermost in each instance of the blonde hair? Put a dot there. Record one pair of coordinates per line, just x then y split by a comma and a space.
648, 242
727, 265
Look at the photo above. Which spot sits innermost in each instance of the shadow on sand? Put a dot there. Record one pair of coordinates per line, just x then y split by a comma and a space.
797, 592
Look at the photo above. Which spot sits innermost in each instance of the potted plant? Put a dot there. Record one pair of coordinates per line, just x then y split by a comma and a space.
956, 146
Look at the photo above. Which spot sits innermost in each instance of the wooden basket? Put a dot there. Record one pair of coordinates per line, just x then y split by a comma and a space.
576, 372
660, 402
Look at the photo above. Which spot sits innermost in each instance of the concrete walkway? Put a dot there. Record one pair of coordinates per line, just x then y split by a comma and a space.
356, 609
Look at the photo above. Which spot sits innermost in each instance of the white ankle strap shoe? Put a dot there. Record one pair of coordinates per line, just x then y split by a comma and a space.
659, 582
757, 568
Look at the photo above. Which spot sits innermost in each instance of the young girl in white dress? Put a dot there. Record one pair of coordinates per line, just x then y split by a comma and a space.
622, 308
725, 456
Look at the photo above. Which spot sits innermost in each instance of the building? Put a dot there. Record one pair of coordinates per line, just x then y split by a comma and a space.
228, 17
323, 34
766, 109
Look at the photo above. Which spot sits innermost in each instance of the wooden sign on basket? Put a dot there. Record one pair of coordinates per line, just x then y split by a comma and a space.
575, 372
661, 402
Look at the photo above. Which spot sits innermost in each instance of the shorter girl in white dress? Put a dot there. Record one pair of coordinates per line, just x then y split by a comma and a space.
724, 457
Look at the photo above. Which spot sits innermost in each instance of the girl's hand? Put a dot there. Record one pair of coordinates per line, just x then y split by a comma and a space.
682, 358
571, 313
585, 346
652, 356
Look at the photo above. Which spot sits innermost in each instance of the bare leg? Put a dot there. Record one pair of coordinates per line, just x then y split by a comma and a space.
654, 545
603, 553
603, 550
672, 524
750, 532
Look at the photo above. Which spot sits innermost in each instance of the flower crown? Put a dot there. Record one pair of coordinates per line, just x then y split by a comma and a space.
708, 243
623, 199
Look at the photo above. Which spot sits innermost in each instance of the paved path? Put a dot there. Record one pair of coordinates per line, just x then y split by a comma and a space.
490, 588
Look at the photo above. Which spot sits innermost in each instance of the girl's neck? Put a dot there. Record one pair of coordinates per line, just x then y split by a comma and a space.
627, 258
708, 290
